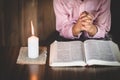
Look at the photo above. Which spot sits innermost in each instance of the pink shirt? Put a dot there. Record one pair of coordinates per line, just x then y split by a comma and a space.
67, 13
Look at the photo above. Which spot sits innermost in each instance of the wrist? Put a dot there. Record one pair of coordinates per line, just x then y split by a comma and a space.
93, 31
76, 29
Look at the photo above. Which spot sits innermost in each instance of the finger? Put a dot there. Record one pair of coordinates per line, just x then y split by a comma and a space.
83, 14
89, 16
84, 23
86, 14
86, 19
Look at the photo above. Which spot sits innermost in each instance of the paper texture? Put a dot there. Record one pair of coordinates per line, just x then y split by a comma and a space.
89, 52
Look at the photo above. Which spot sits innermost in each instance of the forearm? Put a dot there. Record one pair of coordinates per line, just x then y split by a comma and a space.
102, 20
65, 30
101, 32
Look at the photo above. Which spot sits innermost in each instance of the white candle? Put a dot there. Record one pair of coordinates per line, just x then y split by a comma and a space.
33, 45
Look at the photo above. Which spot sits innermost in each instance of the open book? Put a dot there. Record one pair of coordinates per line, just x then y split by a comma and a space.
87, 53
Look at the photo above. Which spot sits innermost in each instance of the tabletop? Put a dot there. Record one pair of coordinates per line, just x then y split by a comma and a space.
9, 70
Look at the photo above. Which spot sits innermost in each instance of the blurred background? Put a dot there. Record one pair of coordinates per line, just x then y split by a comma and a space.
15, 17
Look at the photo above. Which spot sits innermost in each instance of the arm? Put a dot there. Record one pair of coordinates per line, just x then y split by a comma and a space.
63, 22
103, 20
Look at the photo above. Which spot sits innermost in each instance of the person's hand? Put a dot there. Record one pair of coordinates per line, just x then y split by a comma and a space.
77, 28
86, 21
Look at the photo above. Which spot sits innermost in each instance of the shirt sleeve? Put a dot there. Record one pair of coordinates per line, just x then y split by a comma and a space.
103, 20
63, 23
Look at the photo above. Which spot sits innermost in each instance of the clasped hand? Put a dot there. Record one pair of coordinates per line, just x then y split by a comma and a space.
85, 23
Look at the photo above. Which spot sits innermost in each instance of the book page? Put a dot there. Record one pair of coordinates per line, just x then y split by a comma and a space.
68, 54
101, 51
115, 50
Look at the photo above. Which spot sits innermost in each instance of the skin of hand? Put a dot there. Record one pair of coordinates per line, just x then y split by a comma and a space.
84, 23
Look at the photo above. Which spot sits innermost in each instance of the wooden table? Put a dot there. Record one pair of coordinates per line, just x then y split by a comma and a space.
9, 70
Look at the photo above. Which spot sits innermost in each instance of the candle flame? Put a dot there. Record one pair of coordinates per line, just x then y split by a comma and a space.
32, 28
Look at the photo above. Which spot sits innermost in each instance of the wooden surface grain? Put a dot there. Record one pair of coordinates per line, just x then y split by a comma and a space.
9, 70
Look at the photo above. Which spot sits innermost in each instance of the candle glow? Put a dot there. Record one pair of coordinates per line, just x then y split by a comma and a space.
32, 28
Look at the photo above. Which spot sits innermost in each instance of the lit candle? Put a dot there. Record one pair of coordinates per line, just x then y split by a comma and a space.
33, 45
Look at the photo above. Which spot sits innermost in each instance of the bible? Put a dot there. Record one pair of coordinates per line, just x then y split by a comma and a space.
87, 53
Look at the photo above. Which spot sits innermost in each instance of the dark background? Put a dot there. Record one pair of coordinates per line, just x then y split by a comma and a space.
15, 16
115, 25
